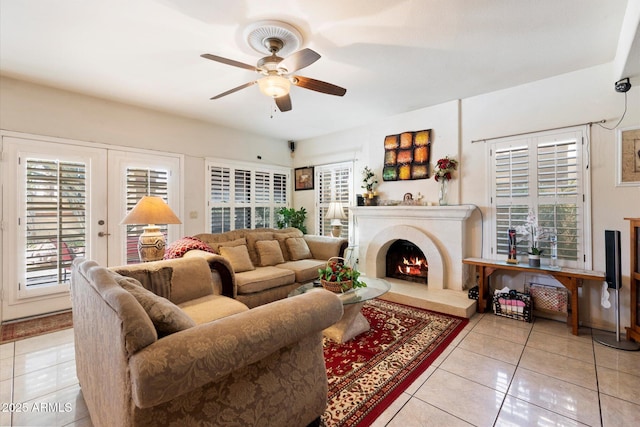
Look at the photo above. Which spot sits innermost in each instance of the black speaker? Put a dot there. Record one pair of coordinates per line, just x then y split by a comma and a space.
613, 265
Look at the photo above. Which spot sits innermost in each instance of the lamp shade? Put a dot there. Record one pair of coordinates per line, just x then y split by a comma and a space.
274, 86
151, 210
335, 211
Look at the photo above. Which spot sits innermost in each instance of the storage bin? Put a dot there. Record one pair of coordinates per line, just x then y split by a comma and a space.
549, 298
513, 304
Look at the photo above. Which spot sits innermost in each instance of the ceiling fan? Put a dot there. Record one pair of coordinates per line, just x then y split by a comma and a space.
278, 73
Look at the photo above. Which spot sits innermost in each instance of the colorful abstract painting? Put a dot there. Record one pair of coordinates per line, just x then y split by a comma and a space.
406, 156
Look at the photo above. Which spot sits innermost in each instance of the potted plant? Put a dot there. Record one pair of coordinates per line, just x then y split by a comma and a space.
444, 171
338, 277
534, 234
369, 182
289, 217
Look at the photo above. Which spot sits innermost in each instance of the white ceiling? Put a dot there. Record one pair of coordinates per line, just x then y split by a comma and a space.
393, 56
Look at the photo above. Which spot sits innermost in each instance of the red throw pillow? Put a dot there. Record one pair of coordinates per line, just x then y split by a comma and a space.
180, 247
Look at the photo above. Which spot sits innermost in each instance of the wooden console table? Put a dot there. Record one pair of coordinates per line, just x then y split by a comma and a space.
570, 278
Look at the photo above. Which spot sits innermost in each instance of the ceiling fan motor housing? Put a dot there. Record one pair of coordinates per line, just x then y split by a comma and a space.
269, 65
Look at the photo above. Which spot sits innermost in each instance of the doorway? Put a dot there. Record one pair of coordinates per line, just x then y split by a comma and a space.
58, 197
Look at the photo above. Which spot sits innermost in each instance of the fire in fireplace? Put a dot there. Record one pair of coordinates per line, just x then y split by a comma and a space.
406, 261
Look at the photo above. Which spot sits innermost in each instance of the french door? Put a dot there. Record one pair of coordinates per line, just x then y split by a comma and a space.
57, 202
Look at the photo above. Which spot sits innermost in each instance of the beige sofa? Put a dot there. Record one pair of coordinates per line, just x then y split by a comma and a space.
196, 357
267, 264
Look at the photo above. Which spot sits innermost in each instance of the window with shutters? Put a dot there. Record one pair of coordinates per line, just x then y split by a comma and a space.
544, 172
55, 219
333, 184
143, 182
245, 196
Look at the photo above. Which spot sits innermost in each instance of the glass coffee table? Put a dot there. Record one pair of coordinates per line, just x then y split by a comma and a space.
352, 323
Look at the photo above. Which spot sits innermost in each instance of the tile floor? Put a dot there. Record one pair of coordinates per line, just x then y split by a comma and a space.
497, 372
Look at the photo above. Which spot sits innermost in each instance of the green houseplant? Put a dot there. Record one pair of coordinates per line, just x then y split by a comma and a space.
289, 217
338, 277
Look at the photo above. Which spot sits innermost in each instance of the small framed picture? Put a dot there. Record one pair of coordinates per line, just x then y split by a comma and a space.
304, 178
628, 157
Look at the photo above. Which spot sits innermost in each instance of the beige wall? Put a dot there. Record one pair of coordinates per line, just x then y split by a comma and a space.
570, 99
41, 110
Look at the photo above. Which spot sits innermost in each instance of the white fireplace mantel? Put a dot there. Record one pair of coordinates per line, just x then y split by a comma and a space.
439, 231
447, 213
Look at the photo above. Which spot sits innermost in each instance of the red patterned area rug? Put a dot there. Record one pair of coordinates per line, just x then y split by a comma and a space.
17, 330
369, 372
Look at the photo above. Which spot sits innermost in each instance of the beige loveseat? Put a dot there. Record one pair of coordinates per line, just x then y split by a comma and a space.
206, 360
267, 264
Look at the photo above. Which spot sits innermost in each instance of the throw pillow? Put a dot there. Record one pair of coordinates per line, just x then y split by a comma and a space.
282, 238
237, 242
180, 247
156, 280
165, 315
298, 248
269, 252
238, 256
253, 237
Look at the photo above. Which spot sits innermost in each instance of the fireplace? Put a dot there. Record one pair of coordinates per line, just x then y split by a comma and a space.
405, 261
439, 232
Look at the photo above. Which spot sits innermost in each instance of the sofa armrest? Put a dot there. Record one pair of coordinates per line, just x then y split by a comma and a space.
220, 265
189, 359
324, 247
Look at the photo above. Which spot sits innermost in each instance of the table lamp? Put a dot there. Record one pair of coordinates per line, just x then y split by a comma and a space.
336, 214
151, 210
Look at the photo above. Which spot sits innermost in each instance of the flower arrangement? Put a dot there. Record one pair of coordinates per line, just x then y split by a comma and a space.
369, 180
532, 232
444, 168
337, 272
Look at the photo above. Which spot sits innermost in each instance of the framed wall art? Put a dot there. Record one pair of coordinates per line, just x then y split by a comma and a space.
304, 178
628, 157
406, 156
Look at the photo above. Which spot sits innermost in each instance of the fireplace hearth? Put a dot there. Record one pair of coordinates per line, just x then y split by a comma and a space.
405, 261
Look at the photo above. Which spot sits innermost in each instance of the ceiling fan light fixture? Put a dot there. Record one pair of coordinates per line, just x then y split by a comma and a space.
274, 86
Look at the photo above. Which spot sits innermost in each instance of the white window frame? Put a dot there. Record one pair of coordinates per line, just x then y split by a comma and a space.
323, 205
533, 199
272, 203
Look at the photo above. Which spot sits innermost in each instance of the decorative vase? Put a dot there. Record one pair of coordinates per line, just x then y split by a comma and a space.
534, 260
371, 199
442, 194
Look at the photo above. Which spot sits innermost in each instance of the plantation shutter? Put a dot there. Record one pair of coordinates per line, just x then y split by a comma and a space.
542, 172
280, 189
242, 198
220, 197
56, 216
558, 208
248, 200
511, 166
143, 182
262, 199
334, 184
